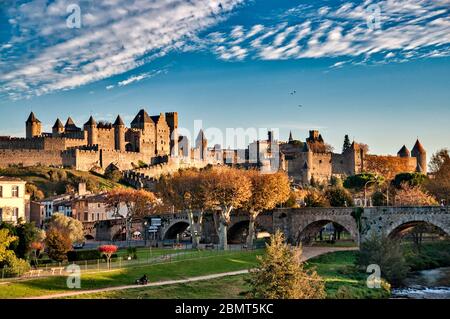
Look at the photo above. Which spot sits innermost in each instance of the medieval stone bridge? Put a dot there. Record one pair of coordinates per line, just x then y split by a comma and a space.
302, 224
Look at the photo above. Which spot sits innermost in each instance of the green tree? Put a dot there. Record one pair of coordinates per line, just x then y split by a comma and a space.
27, 233
339, 197
359, 180
413, 179
386, 253
347, 143
58, 244
8, 259
280, 274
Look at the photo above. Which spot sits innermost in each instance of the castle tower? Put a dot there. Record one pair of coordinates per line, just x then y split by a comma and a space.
58, 128
404, 152
172, 121
201, 144
119, 134
33, 126
92, 133
421, 155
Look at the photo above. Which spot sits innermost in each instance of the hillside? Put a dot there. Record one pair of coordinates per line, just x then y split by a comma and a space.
47, 181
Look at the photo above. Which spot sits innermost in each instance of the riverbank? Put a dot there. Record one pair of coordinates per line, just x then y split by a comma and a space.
431, 255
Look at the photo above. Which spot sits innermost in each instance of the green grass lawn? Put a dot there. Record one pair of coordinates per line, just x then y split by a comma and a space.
229, 287
183, 268
342, 280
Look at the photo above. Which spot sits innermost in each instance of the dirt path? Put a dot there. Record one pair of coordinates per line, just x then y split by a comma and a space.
308, 252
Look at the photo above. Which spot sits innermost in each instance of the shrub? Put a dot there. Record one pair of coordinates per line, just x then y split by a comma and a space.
77, 255
386, 253
15, 266
281, 275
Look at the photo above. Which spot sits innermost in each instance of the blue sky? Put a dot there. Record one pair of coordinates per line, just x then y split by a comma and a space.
376, 70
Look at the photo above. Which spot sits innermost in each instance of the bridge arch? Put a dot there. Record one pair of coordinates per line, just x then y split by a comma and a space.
173, 229
237, 232
402, 226
309, 229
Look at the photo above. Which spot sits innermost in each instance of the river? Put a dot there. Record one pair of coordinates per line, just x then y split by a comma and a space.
426, 284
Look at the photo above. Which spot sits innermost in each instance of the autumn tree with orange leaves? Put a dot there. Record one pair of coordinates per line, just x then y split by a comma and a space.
267, 191
225, 189
183, 190
139, 203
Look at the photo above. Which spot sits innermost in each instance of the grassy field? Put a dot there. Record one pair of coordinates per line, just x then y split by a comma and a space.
231, 261
54, 180
227, 287
342, 280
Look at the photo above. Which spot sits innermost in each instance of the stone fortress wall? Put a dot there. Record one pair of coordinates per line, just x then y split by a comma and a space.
95, 146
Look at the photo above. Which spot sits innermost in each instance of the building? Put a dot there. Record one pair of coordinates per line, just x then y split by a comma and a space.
96, 145
13, 199
314, 159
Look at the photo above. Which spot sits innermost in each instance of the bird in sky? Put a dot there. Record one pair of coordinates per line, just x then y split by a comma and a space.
293, 92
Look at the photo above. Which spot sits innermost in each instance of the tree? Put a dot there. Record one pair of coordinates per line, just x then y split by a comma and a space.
386, 253
439, 185
413, 196
108, 251
347, 143
438, 159
8, 260
413, 179
34, 192
339, 197
315, 198
225, 189
139, 204
68, 227
280, 274
183, 190
378, 199
359, 180
58, 244
27, 233
267, 191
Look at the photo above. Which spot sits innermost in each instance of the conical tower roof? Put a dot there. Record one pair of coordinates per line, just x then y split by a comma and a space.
290, 136
404, 152
32, 118
58, 124
91, 122
418, 148
118, 121
142, 117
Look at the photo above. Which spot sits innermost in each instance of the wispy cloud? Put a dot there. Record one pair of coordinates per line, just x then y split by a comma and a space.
44, 55
137, 78
408, 29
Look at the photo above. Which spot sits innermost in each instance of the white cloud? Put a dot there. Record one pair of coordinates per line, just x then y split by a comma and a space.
409, 29
115, 37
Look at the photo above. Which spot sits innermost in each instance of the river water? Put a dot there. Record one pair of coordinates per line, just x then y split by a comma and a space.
426, 284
